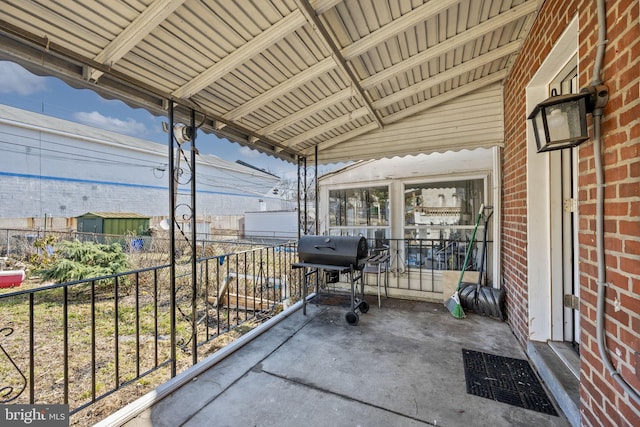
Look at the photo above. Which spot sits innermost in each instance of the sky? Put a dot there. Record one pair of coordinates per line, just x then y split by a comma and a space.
52, 97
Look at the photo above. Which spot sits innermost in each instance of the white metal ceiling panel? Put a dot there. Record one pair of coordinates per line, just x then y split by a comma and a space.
283, 76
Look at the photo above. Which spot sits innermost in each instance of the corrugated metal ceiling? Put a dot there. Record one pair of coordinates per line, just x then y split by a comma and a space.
282, 76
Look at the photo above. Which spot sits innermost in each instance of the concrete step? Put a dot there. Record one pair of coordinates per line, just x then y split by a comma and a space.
559, 368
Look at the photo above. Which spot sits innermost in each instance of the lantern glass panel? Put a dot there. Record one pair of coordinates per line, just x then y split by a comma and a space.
563, 121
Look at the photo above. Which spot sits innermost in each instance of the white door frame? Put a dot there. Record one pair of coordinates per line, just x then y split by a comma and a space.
544, 310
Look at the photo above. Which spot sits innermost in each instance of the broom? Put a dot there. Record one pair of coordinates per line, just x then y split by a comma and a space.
453, 303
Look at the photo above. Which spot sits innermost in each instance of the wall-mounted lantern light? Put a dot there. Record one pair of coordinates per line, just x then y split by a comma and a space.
561, 121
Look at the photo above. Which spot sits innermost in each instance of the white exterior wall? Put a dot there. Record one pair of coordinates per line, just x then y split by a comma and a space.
58, 168
275, 224
395, 173
478, 163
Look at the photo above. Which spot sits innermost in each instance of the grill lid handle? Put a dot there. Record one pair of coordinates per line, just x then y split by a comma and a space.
327, 240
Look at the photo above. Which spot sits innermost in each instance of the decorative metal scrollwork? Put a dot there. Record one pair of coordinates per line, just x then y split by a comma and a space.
184, 215
9, 393
183, 230
184, 184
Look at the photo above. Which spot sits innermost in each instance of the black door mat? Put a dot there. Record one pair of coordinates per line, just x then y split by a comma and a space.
505, 380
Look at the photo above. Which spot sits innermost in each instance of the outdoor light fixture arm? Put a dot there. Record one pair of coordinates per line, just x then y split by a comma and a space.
598, 97
560, 121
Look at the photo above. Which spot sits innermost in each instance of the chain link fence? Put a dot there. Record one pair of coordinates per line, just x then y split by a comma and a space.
18, 247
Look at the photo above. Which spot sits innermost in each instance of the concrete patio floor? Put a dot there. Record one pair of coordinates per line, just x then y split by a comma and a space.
400, 366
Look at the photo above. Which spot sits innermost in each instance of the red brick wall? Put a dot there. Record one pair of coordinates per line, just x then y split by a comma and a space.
602, 401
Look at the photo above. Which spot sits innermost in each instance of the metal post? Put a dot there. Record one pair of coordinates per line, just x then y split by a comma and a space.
306, 215
172, 243
299, 210
317, 222
194, 235
303, 278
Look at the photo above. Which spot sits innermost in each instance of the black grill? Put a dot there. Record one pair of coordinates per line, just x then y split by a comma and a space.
335, 255
333, 251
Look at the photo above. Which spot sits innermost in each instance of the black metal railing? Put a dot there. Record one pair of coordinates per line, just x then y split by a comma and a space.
10, 390
417, 264
79, 343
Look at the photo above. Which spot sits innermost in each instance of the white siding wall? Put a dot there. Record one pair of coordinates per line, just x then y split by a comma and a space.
50, 166
471, 121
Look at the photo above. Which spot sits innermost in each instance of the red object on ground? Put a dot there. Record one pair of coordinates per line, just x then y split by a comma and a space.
11, 278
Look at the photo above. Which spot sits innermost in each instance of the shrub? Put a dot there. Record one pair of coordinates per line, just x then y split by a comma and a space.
77, 260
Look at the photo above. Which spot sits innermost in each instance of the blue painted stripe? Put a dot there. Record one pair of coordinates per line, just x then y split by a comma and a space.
122, 184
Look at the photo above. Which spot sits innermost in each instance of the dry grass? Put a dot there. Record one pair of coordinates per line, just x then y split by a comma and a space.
140, 321
136, 340
132, 319
129, 394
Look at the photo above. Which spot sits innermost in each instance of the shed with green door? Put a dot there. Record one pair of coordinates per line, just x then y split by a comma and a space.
118, 223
